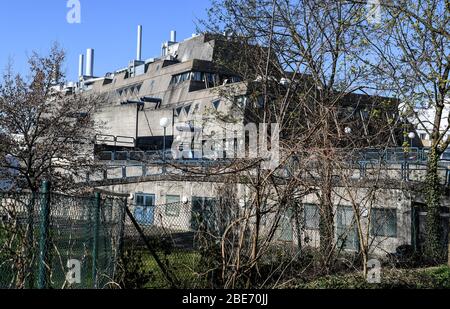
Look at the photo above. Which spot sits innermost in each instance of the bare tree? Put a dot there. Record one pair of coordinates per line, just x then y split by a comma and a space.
47, 132
411, 56
307, 75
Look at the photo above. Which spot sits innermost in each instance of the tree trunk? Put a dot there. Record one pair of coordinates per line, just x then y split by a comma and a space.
298, 227
433, 248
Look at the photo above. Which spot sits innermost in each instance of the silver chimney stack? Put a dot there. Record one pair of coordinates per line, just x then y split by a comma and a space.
81, 66
173, 36
90, 62
139, 44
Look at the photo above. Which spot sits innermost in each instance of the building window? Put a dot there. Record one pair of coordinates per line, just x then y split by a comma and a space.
216, 104
145, 208
383, 222
210, 80
347, 234
173, 205
311, 216
204, 214
187, 109
285, 229
198, 76
145, 199
241, 101
180, 78
260, 102
423, 136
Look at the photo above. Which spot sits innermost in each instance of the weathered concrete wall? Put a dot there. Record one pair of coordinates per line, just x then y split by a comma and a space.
383, 198
194, 54
361, 198
196, 48
161, 190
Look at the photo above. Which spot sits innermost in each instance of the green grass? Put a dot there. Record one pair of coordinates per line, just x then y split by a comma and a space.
184, 265
69, 245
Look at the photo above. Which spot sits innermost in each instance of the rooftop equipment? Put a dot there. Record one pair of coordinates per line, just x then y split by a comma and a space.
139, 44
166, 45
173, 36
81, 67
90, 62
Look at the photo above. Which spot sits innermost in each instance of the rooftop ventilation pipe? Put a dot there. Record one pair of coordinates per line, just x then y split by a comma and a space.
139, 44
173, 36
90, 62
81, 66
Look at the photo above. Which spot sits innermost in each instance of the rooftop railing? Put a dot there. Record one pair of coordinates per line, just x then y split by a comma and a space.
388, 155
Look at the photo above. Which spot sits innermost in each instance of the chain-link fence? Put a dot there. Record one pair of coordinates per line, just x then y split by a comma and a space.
160, 247
50, 240
184, 245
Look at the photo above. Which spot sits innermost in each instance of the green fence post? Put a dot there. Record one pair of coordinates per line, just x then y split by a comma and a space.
95, 242
44, 235
122, 229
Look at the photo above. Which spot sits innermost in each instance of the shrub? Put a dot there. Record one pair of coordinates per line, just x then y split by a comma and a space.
440, 277
430, 278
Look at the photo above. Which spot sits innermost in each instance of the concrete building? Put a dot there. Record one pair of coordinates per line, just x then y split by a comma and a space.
154, 103
423, 122
177, 86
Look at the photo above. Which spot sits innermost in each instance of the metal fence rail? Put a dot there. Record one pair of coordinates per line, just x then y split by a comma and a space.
179, 244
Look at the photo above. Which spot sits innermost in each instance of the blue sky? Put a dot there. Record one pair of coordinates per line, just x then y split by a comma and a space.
108, 26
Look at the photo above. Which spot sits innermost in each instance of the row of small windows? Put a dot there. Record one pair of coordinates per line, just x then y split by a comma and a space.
187, 108
145, 204
129, 91
210, 79
383, 221
239, 104
172, 207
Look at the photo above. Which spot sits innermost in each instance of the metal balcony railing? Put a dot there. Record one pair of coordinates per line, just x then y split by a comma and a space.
112, 140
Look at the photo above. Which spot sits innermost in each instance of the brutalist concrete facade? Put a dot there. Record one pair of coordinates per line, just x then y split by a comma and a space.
184, 85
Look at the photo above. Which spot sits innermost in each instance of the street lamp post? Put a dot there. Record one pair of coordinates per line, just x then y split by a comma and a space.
411, 137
